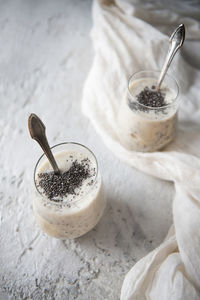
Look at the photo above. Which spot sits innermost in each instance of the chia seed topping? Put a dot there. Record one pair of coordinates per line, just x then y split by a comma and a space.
151, 97
66, 183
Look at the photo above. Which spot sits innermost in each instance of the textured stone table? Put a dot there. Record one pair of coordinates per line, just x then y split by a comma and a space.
45, 56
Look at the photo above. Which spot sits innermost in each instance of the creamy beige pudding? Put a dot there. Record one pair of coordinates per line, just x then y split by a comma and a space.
70, 204
147, 119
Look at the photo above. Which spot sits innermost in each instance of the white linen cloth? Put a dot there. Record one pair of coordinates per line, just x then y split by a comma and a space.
129, 37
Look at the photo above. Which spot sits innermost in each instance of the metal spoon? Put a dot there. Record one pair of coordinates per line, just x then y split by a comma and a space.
37, 132
176, 41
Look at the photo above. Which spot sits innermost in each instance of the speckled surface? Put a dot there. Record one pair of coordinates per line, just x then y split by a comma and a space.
45, 56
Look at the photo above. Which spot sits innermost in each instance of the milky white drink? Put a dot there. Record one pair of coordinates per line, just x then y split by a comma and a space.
147, 119
69, 205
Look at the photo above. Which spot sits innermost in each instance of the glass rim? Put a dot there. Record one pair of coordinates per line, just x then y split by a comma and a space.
60, 202
175, 100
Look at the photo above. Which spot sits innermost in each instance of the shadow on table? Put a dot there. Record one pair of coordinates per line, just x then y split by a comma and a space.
119, 232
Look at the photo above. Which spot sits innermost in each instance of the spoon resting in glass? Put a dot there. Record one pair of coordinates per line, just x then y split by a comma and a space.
176, 41
37, 132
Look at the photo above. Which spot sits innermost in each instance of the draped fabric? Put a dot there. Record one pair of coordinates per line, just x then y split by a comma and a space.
129, 36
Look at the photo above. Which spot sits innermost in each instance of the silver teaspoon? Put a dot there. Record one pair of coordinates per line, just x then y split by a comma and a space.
176, 41
37, 132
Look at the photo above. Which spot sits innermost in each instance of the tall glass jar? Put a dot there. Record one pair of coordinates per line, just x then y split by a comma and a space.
143, 127
79, 212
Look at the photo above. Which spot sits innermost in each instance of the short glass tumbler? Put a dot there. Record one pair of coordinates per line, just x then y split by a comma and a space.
78, 213
145, 128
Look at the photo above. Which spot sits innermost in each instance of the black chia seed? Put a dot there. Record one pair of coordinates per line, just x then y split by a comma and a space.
66, 183
149, 97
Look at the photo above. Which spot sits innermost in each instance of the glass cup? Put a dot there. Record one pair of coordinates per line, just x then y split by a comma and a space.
78, 214
146, 128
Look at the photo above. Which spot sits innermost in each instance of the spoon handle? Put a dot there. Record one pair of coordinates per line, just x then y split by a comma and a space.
37, 132
168, 60
176, 41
